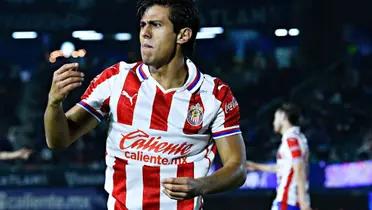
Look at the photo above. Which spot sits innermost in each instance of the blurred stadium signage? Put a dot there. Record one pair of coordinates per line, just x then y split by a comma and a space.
343, 175
52, 199
109, 15
56, 177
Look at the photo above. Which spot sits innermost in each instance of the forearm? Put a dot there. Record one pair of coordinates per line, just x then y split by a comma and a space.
265, 167
56, 127
303, 196
230, 176
7, 155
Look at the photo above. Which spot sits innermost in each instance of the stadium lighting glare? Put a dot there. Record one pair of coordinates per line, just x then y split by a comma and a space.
294, 32
24, 35
123, 36
89, 35
212, 30
203, 35
281, 32
67, 48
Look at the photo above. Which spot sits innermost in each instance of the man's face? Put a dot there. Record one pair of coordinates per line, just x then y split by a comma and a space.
278, 119
157, 37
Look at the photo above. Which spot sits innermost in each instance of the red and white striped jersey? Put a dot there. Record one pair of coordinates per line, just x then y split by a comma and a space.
155, 133
293, 148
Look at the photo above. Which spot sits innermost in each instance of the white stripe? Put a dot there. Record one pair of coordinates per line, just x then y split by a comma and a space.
178, 111
210, 107
143, 109
167, 172
109, 181
111, 203
118, 85
134, 187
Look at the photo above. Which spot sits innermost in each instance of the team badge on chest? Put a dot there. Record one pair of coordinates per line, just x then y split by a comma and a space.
195, 115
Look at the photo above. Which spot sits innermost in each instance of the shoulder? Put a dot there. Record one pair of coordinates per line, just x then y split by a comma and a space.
115, 69
218, 88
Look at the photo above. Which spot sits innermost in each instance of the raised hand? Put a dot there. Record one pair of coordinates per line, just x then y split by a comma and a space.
65, 79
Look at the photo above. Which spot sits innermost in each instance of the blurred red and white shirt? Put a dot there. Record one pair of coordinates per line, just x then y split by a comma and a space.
293, 148
156, 133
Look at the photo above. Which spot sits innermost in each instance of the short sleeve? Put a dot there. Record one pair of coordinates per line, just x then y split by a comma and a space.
294, 148
96, 98
227, 121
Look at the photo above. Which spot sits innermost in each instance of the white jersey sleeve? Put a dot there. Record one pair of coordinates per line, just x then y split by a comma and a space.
96, 98
226, 122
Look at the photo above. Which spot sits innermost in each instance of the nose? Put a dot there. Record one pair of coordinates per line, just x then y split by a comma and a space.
146, 32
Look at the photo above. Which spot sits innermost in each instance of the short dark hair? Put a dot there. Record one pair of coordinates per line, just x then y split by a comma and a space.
292, 111
183, 13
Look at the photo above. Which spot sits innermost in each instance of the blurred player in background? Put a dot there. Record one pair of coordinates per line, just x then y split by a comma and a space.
292, 161
166, 118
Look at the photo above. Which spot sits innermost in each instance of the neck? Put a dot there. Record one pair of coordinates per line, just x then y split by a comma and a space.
286, 127
171, 75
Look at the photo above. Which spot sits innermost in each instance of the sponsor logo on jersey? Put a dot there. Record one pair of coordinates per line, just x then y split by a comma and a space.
231, 105
141, 141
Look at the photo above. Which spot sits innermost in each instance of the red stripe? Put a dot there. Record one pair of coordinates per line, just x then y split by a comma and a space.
160, 110
105, 75
106, 105
296, 153
292, 142
185, 170
128, 98
189, 128
120, 188
284, 204
151, 188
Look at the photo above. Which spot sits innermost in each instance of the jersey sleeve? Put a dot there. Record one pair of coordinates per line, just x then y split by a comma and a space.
96, 98
294, 148
227, 121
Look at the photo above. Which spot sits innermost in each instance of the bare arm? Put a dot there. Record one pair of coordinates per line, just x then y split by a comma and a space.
261, 167
232, 152
18, 154
62, 129
300, 172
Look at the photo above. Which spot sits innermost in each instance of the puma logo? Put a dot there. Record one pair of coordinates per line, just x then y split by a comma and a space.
124, 93
221, 86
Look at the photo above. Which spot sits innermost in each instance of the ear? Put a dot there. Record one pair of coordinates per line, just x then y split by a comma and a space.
282, 116
184, 35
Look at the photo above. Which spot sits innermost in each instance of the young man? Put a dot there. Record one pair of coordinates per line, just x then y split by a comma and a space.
292, 161
167, 119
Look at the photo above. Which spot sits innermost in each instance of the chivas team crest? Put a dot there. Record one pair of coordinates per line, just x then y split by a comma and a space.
195, 115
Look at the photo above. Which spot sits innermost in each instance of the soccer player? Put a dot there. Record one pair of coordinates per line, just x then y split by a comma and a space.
166, 118
292, 161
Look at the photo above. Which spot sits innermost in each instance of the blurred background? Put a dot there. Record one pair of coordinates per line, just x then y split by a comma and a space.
317, 53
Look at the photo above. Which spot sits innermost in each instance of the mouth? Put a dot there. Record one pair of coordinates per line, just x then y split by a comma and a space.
147, 46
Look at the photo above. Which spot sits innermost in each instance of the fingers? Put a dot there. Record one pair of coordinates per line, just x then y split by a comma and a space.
66, 67
177, 188
180, 188
180, 180
175, 195
65, 79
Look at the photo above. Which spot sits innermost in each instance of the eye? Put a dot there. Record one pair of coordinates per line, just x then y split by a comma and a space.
142, 24
156, 24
